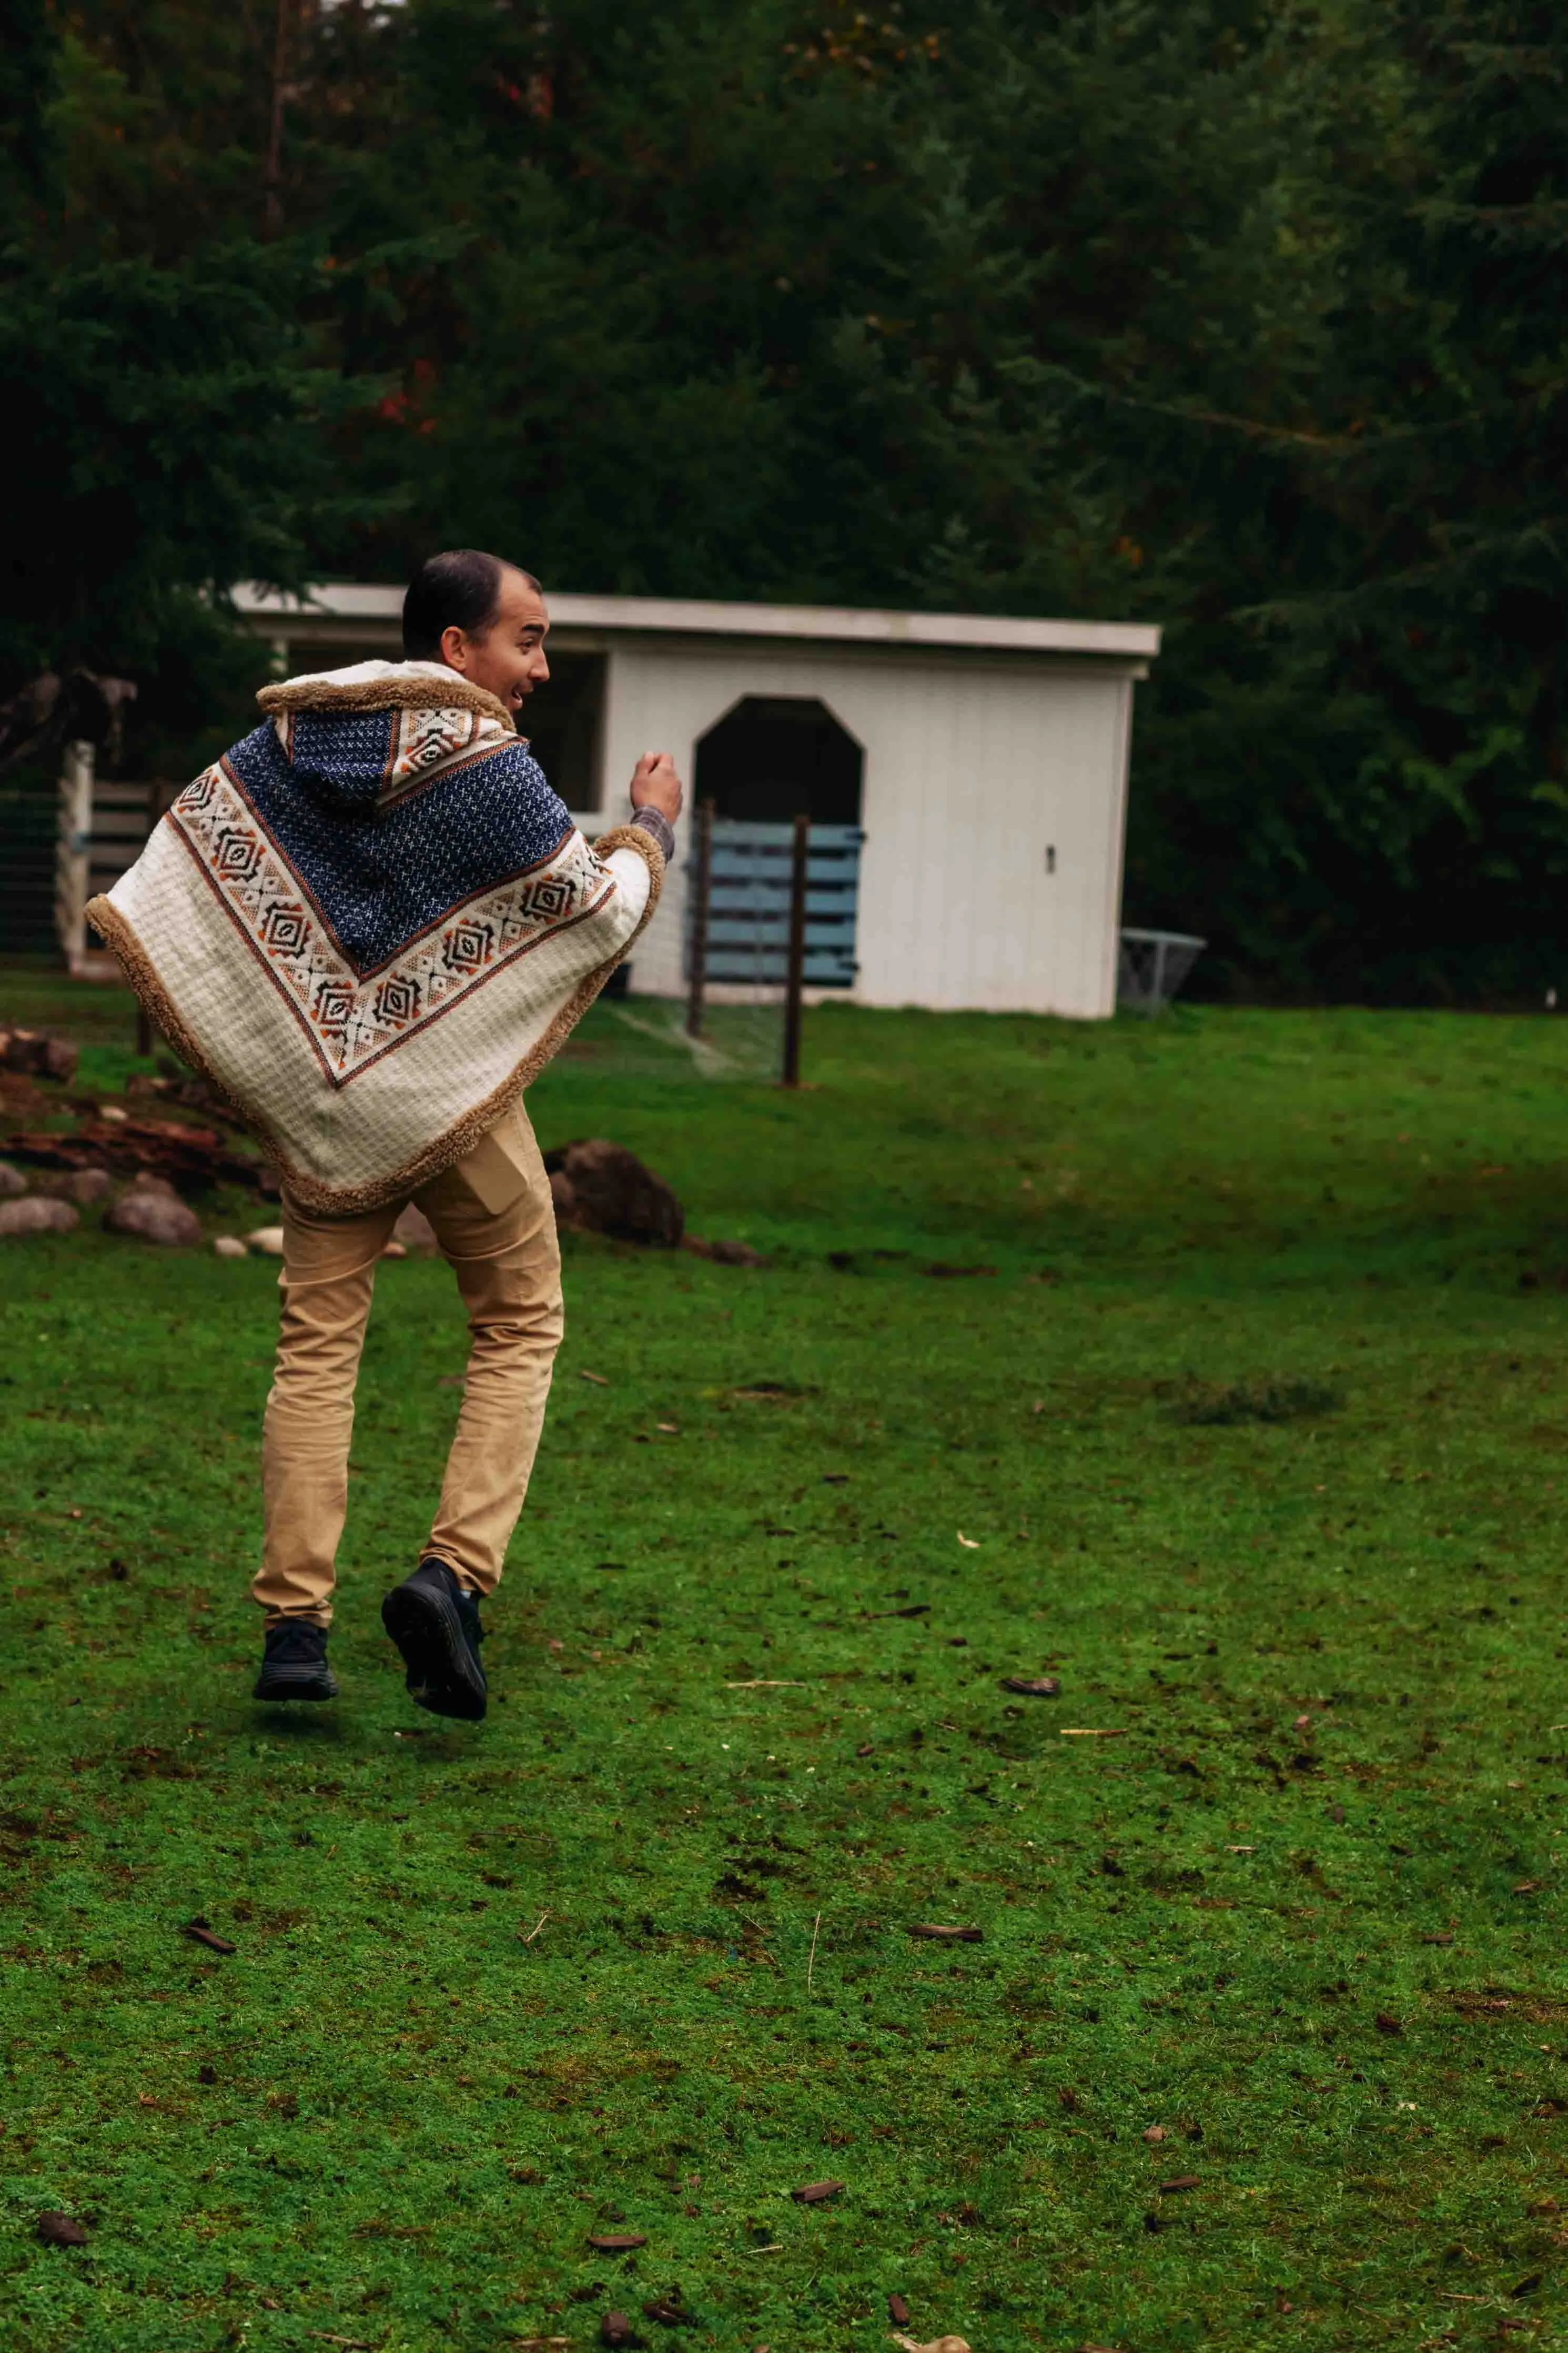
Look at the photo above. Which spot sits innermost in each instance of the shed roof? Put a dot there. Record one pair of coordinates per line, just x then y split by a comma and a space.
347, 600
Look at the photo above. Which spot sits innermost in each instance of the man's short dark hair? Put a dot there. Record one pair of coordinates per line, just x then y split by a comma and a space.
459, 589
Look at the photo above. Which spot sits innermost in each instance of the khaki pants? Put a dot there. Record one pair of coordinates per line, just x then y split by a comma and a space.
496, 1224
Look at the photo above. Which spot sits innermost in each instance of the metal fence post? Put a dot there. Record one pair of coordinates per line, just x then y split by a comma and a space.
794, 978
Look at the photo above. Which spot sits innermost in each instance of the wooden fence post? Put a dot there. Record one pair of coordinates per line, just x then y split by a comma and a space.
702, 891
795, 979
73, 840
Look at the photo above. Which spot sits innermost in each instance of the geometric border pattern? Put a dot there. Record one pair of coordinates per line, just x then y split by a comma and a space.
350, 1022
426, 743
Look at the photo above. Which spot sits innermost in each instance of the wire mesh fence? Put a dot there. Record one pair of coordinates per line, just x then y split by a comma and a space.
769, 915
1152, 966
648, 1036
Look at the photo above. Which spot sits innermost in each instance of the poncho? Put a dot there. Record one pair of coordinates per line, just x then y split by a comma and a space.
372, 922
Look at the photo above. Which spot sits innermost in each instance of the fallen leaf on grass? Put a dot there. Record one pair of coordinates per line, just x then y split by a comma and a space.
937, 2344
616, 2328
1526, 1887
672, 2315
200, 1933
970, 1544
897, 2309
913, 1609
597, 1378
1093, 1732
765, 1682
616, 2242
1155, 2132
363, 2344
813, 2193
945, 1272
1179, 2182
671, 1429
62, 2231
946, 1935
1386, 2023
1033, 1686
1444, 1939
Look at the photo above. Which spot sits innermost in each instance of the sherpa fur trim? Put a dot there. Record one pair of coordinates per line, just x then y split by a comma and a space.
113, 928
385, 686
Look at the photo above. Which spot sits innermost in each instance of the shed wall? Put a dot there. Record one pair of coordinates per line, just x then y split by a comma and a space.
976, 767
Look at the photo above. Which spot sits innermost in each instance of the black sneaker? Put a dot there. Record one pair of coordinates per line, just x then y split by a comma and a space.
294, 1662
436, 1625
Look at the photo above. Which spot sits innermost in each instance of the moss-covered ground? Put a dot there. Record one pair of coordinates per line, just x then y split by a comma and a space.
1255, 1435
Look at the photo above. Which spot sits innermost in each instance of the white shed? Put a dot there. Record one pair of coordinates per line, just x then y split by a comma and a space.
985, 760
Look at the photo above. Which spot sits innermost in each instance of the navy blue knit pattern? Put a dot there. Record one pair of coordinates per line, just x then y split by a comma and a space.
381, 880
340, 757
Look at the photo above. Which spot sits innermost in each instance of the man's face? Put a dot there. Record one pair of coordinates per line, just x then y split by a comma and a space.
509, 658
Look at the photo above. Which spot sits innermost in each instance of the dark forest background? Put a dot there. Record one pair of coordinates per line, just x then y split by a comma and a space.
1245, 319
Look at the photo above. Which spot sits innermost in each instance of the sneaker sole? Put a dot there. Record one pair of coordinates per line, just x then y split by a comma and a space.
442, 1674
316, 1688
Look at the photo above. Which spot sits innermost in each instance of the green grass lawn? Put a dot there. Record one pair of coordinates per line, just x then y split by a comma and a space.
1256, 1435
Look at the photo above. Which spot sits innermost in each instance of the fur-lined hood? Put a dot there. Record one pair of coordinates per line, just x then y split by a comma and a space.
385, 686
355, 738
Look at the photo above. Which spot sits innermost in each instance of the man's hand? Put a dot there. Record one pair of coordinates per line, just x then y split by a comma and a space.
655, 784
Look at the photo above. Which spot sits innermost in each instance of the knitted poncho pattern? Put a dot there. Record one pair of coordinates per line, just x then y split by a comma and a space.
372, 922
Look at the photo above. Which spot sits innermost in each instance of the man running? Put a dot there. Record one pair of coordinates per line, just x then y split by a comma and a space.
371, 924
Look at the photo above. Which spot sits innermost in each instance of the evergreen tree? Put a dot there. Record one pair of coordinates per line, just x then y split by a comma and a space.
1242, 315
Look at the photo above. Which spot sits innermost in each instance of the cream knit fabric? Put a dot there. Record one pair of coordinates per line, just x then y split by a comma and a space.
371, 924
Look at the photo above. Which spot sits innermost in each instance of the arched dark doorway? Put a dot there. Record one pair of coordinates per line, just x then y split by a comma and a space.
770, 760
774, 758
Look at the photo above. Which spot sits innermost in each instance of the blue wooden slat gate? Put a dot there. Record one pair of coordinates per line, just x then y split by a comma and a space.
748, 903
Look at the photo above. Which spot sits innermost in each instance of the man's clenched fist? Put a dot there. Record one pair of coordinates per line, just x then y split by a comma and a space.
655, 784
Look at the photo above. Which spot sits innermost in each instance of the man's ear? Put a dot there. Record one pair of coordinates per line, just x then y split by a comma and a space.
455, 648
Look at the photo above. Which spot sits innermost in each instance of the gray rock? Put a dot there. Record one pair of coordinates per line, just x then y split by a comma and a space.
13, 1184
34, 1215
228, 1246
267, 1241
85, 1187
154, 1216
145, 1182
